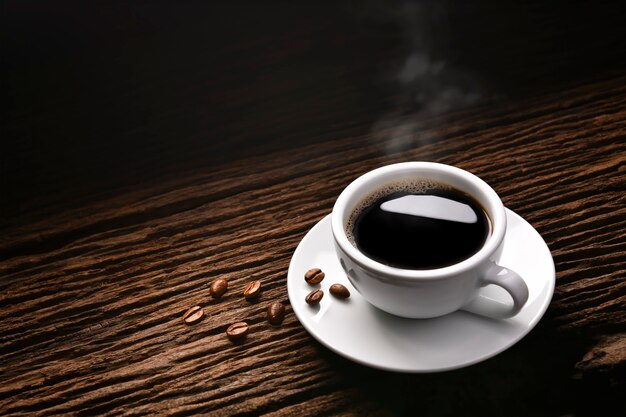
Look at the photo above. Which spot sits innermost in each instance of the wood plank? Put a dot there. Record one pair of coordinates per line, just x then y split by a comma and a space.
150, 148
92, 301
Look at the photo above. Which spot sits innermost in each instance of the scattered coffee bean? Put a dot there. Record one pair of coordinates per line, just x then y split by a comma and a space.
314, 276
314, 297
339, 291
252, 290
275, 313
193, 315
218, 287
237, 330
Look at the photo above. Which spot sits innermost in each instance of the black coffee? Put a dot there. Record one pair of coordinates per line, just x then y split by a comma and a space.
419, 225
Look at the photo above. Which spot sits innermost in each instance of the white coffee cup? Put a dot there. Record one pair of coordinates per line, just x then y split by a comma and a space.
432, 292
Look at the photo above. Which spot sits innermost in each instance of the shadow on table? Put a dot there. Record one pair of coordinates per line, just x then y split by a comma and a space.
535, 377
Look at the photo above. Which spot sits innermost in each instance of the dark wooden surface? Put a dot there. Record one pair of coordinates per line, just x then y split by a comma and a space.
148, 149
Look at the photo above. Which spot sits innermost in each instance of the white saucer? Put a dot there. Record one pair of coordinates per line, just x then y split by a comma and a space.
357, 330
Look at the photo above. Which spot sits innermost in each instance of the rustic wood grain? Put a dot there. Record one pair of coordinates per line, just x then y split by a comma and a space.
92, 304
96, 274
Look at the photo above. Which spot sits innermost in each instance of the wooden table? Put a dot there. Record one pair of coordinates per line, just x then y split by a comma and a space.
150, 149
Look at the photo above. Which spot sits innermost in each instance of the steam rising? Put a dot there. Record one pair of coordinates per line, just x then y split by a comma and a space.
427, 83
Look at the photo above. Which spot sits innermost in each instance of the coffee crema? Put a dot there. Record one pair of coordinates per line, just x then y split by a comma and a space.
418, 224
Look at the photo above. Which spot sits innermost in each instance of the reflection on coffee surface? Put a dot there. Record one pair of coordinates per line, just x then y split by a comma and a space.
418, 224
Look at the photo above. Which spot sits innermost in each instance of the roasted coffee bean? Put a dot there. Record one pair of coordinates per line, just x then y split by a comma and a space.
237, 330
218, 287
314, 276
275, 313
314, 297
339, 291
193, 315
252, 290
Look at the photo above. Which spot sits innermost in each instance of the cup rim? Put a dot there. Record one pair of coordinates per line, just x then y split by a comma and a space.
496, 213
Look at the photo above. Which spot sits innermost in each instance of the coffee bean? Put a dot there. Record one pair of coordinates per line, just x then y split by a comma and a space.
193, 315
237, 330
252, 290
314, 276
339, 291
275, 313
314, 297
218, 287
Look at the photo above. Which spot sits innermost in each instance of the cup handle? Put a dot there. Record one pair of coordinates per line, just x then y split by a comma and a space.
504, 278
